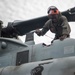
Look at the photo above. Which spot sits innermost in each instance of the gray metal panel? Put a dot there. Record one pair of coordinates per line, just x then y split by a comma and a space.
63, 66
8, 54
5, 60
58, 49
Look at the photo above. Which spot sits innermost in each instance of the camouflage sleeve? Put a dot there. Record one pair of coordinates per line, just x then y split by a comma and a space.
45, 27
65, 26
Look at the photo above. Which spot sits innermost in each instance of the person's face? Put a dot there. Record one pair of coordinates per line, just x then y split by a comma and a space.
53, 14
54, 17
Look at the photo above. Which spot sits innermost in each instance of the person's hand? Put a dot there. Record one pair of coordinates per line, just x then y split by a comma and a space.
63, 37
37, 31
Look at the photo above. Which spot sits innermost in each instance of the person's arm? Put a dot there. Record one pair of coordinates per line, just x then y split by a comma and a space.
44, 29
65, 28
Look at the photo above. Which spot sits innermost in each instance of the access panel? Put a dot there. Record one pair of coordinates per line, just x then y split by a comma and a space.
22, 57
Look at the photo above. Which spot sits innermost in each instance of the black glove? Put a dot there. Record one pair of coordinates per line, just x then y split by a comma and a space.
38, 32
63, 37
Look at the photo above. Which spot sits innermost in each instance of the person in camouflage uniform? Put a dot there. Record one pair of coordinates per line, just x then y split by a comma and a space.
57, 24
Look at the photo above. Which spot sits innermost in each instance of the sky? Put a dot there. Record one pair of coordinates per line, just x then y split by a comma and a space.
29, 9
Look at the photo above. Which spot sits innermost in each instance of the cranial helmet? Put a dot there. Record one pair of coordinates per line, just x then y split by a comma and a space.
52, 10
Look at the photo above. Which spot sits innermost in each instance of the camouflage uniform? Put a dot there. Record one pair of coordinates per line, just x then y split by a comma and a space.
60, 28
